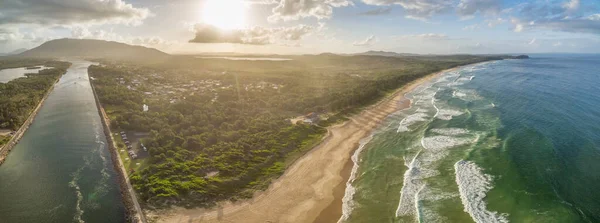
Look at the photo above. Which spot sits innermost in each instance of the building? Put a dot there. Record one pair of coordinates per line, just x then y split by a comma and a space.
311, 118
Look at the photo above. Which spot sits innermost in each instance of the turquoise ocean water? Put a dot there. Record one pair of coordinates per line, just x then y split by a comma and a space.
503, 141
61, 170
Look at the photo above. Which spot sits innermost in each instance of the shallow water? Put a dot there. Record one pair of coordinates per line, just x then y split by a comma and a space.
7, 75
504, 141
61, 170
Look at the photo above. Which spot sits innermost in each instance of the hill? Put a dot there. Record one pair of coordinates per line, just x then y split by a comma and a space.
14, 52
384, 53
88, 48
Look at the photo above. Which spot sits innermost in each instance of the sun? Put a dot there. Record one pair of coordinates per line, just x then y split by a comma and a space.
225, 14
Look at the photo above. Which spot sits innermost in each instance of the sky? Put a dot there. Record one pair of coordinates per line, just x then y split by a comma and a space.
310, 26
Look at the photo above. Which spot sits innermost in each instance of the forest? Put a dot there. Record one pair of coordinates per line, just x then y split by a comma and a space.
227, 140
20, 96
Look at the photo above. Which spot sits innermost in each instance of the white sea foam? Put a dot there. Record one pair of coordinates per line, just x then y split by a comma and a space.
420, 169
432, 194
447, 114
410, 120
410, 189
450, 131
439, 143
422, 110
473, 185
73, 184
458, 94
467, 95
437, 110
347, 200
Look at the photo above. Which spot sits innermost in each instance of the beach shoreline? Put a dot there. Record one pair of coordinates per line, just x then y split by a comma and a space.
311, 189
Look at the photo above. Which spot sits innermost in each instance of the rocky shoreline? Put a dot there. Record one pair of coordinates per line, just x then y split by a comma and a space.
132, 214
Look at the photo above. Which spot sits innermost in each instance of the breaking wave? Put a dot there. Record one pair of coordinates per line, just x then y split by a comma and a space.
473, 185
347, 200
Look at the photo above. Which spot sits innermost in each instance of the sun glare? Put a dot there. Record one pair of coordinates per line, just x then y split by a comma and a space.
225, 14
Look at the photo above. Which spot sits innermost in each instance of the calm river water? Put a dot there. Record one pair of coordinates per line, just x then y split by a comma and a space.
61, 170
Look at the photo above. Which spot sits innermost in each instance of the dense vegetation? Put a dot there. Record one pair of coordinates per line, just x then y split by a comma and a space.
20, 96
227, 141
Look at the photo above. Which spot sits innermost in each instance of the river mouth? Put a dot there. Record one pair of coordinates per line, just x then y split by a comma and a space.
61, 170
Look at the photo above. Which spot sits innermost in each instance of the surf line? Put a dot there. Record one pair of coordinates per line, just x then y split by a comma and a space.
347, 200
408, 176
472, 184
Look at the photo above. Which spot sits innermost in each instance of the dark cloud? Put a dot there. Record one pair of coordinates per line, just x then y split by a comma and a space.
68, 12
378, 11
211, 34
256, 35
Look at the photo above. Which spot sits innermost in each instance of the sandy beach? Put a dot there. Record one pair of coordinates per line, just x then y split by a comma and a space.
311, 190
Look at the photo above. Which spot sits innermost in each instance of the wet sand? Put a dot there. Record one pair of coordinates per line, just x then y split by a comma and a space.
311, 190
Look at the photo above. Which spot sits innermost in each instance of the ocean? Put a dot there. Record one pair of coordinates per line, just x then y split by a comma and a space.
501, 141
61, 170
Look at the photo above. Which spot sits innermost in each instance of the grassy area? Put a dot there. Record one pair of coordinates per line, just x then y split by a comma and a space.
4, 140
129, 164
306, 146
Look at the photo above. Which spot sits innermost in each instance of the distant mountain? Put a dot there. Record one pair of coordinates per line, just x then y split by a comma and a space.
88, 48
14, 52
17, 51
384, 54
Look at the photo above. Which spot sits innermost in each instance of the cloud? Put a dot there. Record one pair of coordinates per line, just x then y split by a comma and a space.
256, 35
494, 22
594, 17
378, 11
471, 7
428, 36
471, 27
519, 26
81, 32
575, 25
293, 33
369, 41
565, 17
261, 2
295, 9
572, 5
416, 9
70, 12
206, 33
14, 35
